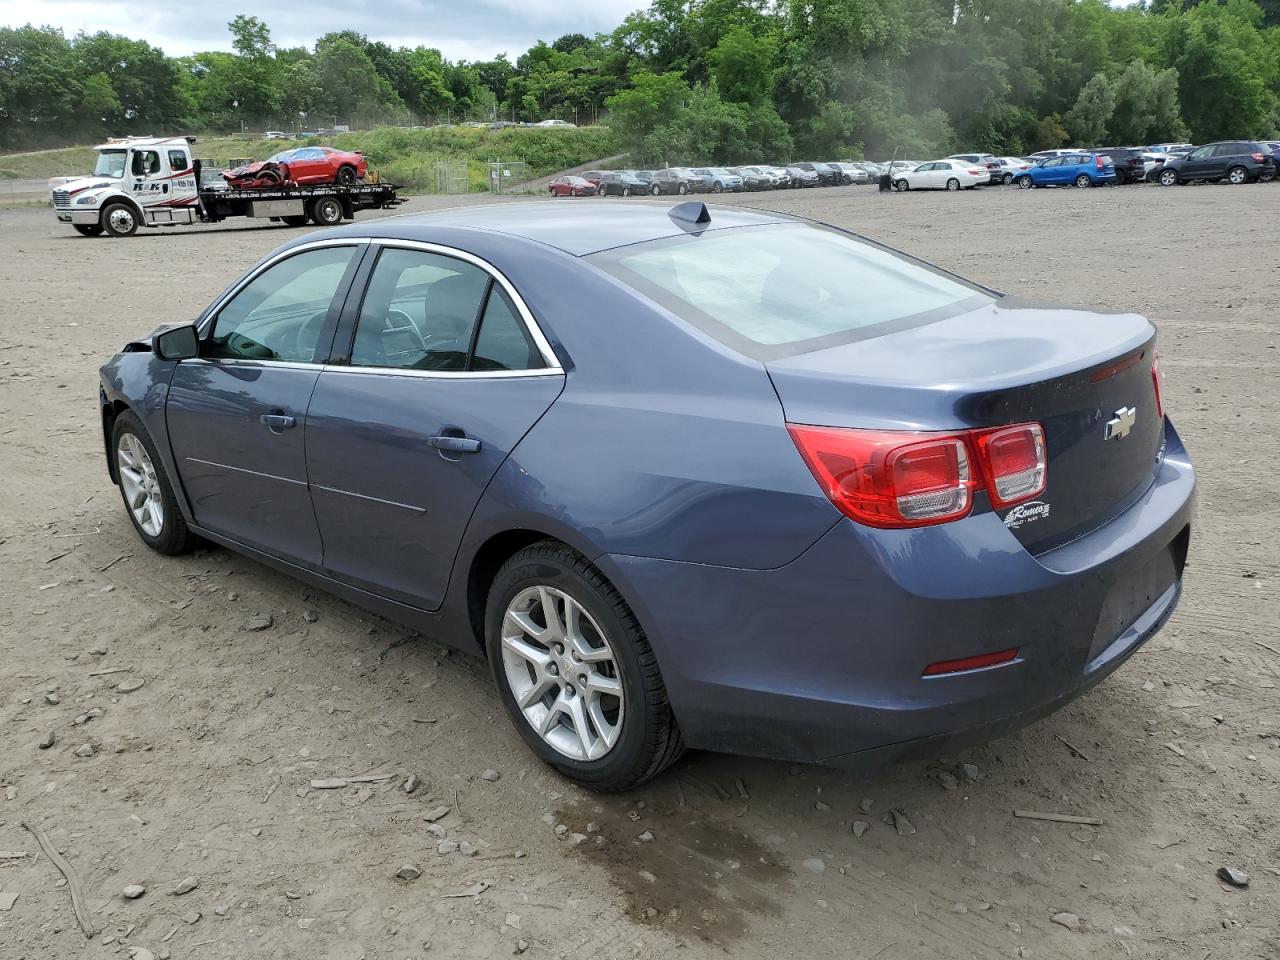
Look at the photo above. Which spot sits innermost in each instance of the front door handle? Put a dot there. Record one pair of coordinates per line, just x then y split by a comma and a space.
278, 422
455, 444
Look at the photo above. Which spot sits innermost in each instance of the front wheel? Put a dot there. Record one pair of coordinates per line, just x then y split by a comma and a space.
1169, 178
655, 190
145, 488
119, 220
626, 191
1024, 183
575, 671
682, 189
1083, 181
953, 184
716, 188
902, 186
88, 229
1237, 175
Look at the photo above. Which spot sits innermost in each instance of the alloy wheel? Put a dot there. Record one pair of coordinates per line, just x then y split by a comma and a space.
1237, 175
562, 672
140, 484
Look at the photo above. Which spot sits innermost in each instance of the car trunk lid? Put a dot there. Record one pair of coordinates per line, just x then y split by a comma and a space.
1085, 376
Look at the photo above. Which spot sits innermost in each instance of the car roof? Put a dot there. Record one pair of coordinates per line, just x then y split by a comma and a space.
576, 229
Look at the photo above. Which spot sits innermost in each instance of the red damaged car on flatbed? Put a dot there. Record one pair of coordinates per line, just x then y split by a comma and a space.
303, 166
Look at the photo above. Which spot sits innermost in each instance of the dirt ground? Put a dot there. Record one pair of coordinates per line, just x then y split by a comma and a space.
204, 771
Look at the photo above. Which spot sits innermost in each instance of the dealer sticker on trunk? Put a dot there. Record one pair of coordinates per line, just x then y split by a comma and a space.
1025, 513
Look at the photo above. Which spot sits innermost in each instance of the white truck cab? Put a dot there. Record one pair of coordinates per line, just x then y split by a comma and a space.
137, 182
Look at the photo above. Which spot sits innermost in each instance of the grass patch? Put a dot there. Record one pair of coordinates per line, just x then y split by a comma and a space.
409, 157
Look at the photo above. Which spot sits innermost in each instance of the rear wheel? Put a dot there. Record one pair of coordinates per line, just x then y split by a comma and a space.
87, 229
953, 184
683, 189
576, 672
326, 211
717, 187
1237, 175
119, 219
145, 488
1083, 181
346, 175
1007, 178
626, 191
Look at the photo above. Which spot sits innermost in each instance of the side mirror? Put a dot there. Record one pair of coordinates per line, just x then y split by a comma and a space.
177, 343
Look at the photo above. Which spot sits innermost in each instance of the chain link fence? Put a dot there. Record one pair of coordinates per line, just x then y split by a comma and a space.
451, 177
508, 176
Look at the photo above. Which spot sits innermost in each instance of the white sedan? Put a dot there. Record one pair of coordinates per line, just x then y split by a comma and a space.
941, 175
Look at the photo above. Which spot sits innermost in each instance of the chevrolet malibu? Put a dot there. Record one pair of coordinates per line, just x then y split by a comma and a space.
715, 478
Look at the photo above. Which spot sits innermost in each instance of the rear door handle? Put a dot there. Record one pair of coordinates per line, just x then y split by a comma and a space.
277, 422
455, 444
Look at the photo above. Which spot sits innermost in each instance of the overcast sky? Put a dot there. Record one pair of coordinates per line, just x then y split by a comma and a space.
471, 30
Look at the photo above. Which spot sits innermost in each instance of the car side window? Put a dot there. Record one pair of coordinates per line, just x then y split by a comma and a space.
177, 161
503, 343
145, 163
1226, 150
419, 312
1053, 162
280, 313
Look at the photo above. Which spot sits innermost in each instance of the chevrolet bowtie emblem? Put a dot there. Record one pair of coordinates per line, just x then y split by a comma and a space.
1118, 427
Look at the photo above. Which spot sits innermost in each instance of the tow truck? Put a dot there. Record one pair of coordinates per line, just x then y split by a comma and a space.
157, 182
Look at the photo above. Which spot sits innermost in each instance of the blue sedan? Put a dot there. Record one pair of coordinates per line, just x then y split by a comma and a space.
715, 478
1070, 170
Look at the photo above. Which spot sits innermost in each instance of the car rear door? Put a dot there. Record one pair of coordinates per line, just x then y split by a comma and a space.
236, 413
444, 374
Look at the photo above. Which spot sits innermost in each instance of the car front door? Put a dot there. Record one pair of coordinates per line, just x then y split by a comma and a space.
446, 373
1051, 171
309, 165
1198, 164
236, 413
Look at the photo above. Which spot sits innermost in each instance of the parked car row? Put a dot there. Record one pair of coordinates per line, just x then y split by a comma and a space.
685, 180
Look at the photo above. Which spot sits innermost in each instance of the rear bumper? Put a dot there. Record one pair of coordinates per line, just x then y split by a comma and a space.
822, 660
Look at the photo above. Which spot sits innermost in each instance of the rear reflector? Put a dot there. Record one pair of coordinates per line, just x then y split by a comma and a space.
965, 664
1015, 461
901, 480
1159, 384
1106, 373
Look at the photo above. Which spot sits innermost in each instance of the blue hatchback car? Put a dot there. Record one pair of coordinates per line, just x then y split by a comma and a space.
712, 478
1070, 170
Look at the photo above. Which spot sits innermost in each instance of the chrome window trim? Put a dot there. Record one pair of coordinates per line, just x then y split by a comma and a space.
539, 338
211, 315
253, 362
442, 374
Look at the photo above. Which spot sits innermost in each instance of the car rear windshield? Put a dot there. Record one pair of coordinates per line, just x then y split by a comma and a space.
782, 289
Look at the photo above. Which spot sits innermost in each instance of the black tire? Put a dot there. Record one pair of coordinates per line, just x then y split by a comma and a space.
88, 229
1122, 177
650, 740
655, 190
1083, 181
1025, 183
1237, 175
174, 536
326, 211
119, 219
953, 184
626, 191
902, 186
717, 187
346, 175
1007, 179
298, 220
683, 189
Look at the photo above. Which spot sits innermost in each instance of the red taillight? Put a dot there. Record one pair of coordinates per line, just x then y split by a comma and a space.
977, 173
971, 663
1258, 157
1155, 380
1099, 162
1015, 462
902, 480
892, 480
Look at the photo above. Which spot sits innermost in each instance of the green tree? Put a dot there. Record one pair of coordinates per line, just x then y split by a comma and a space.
1088, 120
742, 64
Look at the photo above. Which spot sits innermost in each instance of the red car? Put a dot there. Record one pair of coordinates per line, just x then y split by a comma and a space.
572, 187
303, 165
